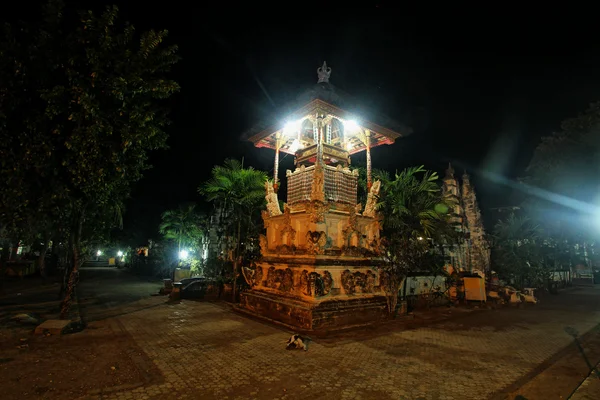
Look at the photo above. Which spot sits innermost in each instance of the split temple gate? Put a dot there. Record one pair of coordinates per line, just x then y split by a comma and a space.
320, 253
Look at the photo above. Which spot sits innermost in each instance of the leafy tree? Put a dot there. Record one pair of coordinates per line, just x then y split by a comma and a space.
184, 225
82, 105
239, 193
565, 166
520, 252
413, 212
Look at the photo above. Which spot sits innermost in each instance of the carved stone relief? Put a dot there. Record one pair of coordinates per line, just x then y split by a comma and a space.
314, 284
358, 282
280, 279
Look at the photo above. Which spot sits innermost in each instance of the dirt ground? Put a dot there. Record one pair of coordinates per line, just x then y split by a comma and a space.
70, 366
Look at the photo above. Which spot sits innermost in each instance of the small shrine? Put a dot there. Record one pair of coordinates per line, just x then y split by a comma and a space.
320, 252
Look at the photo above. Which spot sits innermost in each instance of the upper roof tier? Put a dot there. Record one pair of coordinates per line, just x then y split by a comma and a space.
346, 121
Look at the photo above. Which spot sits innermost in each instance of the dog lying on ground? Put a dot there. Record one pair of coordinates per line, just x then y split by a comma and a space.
297, 342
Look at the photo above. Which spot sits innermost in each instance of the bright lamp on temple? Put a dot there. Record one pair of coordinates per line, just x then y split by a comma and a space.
291, 127
351, 126
295, 146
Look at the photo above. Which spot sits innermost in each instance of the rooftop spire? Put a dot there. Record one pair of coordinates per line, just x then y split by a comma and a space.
323, 73
450, 171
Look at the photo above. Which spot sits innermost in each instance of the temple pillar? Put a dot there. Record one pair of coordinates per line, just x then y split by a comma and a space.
368, 150
278, 145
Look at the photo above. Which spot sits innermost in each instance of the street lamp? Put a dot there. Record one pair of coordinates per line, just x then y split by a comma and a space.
99, 253
119, 253
183, 254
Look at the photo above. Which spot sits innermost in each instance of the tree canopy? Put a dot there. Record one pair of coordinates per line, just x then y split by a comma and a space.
81, 106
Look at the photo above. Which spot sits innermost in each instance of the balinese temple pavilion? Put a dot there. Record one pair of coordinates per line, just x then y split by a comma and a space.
320, 254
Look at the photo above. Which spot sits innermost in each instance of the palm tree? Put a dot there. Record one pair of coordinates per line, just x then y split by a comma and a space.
414, 213
183, 225
239, 192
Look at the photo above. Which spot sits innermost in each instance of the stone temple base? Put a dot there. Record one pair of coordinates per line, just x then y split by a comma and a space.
314, 316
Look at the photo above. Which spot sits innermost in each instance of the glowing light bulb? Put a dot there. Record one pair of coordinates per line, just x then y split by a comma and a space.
295, 146
291, 127
351, 126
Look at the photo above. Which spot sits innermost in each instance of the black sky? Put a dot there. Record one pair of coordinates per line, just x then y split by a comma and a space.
479, 87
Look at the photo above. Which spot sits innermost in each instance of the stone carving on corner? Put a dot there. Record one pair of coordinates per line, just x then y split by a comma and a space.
316, 242
264, 247
266, 218
254, 276
287, 232
358, 282
272, 201
314, 284
351, 233
372, 197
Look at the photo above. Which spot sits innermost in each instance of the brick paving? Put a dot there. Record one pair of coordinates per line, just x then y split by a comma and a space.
590, 388
205, 350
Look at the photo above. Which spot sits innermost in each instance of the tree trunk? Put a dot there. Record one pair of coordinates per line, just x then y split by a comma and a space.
236, 260
42, 257
391, 295
3, 260
74, 274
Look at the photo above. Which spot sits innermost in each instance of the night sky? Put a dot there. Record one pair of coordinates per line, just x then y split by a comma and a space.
477, 87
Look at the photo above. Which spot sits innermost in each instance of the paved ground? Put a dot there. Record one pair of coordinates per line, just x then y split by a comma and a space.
106, 292
142, 347
204, 350
590, 389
